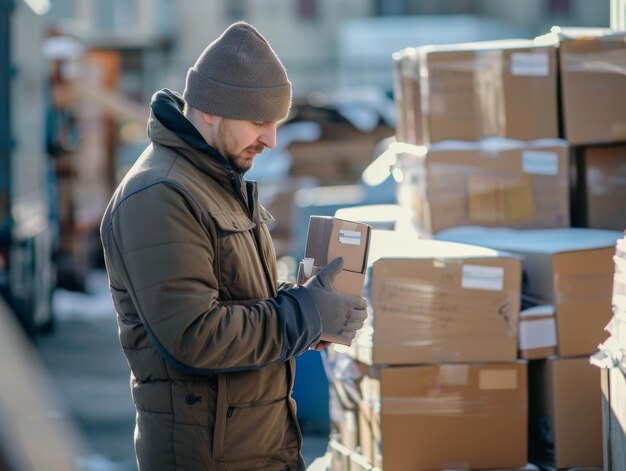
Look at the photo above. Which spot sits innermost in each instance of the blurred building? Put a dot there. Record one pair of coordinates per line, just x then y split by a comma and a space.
160, 39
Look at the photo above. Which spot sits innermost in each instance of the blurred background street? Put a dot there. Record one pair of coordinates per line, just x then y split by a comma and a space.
373, 81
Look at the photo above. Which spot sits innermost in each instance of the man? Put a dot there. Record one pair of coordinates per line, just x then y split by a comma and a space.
209, 336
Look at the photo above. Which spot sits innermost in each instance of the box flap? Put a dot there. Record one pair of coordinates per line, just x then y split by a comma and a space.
407, 245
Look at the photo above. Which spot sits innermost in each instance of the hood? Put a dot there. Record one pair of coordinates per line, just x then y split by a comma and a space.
169, 127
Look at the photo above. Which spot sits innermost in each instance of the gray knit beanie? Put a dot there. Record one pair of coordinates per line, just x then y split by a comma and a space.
239, 76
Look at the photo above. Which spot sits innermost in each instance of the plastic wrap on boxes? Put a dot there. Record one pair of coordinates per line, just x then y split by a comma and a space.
593, 77
493, 182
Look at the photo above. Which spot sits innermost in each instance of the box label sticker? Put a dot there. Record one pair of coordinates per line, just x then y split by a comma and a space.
497, 379
540, 162
453, 375
533, 64
349, 237
480, 277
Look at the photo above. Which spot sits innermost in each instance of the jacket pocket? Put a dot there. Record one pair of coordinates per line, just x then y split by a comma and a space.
253, 434
235, 245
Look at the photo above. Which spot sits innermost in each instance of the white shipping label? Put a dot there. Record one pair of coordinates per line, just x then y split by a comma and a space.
535, 64
540, 162
537, 334
349, 237
497, 379
480, 277
454, 375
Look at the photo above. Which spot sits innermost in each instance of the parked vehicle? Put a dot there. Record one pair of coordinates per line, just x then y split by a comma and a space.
26, 183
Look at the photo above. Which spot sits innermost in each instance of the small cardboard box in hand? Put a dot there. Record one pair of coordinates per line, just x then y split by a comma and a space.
327, 239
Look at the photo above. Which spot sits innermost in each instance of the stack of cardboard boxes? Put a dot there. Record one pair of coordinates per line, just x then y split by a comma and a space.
476, 360
441, 387
570, 270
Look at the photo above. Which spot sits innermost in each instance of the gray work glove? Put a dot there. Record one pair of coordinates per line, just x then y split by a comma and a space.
341, 314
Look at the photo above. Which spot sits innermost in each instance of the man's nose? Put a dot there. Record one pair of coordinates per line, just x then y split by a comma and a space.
268, 138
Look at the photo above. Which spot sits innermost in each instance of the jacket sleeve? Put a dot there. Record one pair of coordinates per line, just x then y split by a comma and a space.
162, 254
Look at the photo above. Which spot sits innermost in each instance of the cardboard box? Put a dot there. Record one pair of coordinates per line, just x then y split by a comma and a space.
570, 268
492, 88
340, 154
370, 431
614, 418
407, 96
592, 85
565, 413
465, 416
537, 332
493, 183
602, 183
329, 238
339, 456
358, 462
399, 95
438, 302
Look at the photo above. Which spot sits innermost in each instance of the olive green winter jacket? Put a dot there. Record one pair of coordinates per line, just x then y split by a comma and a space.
209, 338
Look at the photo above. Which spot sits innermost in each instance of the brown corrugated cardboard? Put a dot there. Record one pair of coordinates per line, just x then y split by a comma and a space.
604, 187
493, 183
492, 88
453, 416
592, 85
565, 413
569, 268
614, 418
537, 332
370, 432
329, 238
407, 96
341, 153
436, 302
399, 96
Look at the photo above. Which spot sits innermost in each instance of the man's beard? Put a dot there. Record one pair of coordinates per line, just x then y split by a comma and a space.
232, 160
237, 167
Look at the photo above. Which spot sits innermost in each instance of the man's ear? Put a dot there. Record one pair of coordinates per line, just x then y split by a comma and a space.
209, 119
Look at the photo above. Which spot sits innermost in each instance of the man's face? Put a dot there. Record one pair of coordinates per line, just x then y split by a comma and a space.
240, 141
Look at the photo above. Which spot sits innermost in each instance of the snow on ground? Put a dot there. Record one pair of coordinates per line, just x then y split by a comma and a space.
95, 303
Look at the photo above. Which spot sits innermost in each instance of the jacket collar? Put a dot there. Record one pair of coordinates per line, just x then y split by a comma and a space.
169, 127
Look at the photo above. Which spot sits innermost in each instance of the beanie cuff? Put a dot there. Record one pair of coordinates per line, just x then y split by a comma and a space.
235, 102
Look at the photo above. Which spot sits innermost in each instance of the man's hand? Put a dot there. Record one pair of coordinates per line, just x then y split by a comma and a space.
341, 314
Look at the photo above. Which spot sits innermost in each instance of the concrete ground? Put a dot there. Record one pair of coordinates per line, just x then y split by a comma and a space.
86, 363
